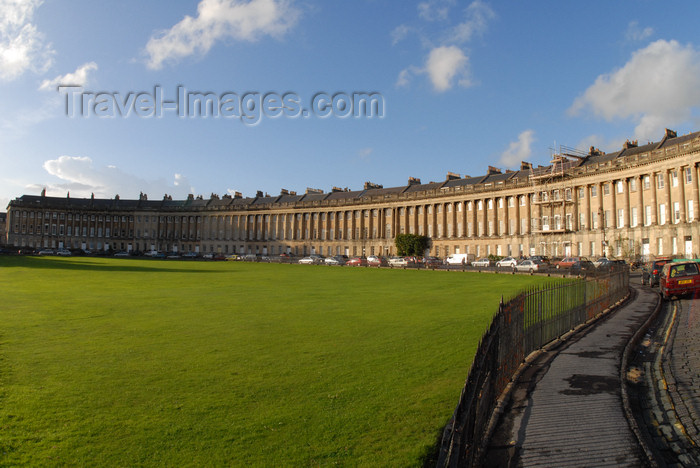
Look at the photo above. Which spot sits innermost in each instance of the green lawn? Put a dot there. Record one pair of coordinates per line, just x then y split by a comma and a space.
121, 362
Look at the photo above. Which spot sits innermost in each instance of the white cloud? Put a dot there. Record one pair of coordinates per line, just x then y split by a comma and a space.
658, 87
602, 143
444, 65
435, 10
81, 178
447, 63
217, 20
22, 46
518, 151
635, 33
78, 78
478, 15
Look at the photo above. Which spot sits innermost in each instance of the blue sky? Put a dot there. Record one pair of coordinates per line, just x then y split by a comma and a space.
464, 85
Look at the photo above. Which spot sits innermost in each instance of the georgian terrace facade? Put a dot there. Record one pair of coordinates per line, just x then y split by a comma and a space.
641, 200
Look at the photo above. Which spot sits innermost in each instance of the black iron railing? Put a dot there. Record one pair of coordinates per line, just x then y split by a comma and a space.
522, 325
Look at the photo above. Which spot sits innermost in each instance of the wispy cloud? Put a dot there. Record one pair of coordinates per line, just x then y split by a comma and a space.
79, 176
400, 33
78, 78
658, 87
217, 20
364, 153
478, 15
636, 33
519, 150
22, 46
435, 10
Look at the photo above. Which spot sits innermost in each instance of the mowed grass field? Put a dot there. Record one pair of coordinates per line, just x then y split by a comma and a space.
126, 362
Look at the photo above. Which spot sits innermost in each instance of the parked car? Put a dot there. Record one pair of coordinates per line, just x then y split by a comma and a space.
508, 262
679, 279
64, 252
530, 266
582, 266
602, 261
376, 260
651, 270
309, 260
568, 262
482, 262
122, 253
398, 262
542, 260
337, 260
431, 262
46, 252
192, 255
357, 261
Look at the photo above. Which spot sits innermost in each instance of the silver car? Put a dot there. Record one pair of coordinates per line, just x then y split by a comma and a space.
508, 262
398, 262
527, 265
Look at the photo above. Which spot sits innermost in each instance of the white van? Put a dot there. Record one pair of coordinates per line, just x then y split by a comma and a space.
460, 259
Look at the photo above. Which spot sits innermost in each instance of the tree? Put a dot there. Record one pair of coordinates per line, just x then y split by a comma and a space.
411, 244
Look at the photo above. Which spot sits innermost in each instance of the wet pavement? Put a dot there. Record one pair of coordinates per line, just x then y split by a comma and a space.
567, 409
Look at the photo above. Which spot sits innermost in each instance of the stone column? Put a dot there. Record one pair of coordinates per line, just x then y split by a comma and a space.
627, 220
614, 203
696, 193
601, 207
669, 200
575, 215
528, 214
654, 204
681, 194
642, 214
463, 204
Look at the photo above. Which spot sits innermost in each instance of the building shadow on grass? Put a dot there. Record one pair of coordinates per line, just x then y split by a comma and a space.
430, 455
122, 265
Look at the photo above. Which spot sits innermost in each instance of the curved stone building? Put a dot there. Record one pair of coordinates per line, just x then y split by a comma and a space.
641, 200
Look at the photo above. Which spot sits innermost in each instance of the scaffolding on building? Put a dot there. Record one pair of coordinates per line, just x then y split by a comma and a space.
552, 203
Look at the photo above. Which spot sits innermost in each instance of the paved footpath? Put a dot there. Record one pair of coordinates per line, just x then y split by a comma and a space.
566, 410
